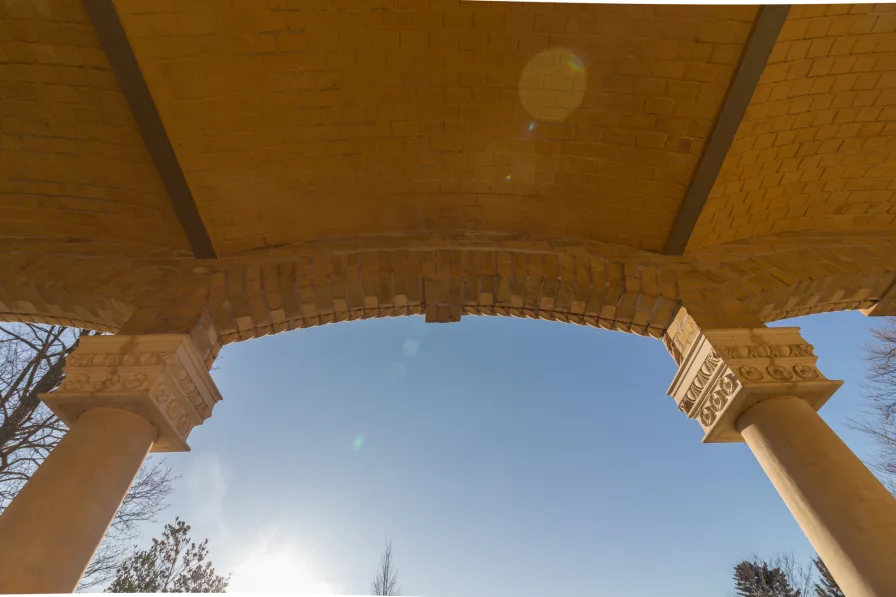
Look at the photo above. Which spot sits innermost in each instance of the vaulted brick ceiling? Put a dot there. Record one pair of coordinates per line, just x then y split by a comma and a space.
333, 120
298, 126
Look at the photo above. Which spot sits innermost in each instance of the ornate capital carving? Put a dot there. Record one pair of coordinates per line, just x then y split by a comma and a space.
724, 372
161, 377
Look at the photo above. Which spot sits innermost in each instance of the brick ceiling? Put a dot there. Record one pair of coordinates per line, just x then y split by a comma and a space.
297, 125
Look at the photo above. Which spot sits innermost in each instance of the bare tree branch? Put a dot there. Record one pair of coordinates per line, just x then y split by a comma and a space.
802, 578
32, 362
880, 392
386, 580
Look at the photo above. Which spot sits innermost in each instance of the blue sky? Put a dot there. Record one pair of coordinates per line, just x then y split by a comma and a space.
501, 456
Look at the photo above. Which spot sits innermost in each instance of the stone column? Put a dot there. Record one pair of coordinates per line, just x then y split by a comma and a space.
49, 532
121, 397
845, 512
762, 386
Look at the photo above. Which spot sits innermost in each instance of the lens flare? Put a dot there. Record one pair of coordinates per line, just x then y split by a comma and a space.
552, 85
358, 442
574, 63
410, 347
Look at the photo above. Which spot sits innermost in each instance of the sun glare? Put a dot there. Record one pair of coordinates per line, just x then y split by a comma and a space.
277, 571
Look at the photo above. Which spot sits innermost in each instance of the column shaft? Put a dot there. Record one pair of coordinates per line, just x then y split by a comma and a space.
848, 516
52, 528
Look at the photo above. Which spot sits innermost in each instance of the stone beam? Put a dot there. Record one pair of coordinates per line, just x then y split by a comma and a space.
756, 53
121, 57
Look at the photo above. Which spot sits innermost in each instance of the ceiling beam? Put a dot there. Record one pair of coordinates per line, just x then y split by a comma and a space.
121, 56
752, 63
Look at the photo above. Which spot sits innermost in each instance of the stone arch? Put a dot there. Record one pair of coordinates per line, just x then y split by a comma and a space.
45, 304
739, 284
822, 295
798, 274
252, 300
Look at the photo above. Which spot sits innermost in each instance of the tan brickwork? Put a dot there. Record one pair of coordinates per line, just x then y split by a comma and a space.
318, 119
72, 163
262, 299
680, 335
29, 303
337, 191
815, 149
885, 306
738, 285
799, 274
129, 282
195, 321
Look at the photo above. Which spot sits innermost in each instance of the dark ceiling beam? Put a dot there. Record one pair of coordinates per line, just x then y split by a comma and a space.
752, 63
121, 56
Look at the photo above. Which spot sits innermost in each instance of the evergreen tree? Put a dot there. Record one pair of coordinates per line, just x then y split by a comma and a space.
757, 579
827, 587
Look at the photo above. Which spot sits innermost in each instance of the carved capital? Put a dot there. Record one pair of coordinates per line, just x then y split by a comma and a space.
160, 377
725, 372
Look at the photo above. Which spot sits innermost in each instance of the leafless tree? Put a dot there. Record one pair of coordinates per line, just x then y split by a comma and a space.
802, 578
146, 498
386, 580
881, 395
32, 361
